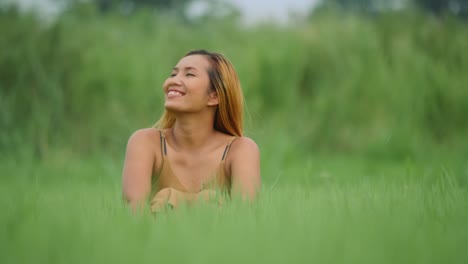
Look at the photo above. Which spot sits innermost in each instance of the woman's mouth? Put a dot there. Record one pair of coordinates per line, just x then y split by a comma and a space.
174, 93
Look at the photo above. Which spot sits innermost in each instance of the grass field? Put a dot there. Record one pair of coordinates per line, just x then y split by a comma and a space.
361, 122
341, 210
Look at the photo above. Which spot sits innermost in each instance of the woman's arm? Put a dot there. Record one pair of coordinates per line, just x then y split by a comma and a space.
245, 167
138, 168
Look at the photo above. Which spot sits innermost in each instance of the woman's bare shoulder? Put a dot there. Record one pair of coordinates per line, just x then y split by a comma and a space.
244, 167
243, 145
144, 136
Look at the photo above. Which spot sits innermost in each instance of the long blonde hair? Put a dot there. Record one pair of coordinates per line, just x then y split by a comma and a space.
229, 115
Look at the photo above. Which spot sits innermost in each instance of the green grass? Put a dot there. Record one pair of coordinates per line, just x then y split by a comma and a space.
342, 210
361, 123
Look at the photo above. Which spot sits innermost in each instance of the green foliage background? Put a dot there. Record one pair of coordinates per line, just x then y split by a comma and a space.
393, 85
361, 121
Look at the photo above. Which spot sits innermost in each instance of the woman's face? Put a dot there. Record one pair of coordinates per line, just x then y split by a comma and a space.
188, 87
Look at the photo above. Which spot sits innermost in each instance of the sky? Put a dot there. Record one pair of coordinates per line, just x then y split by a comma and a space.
258, 10
252, 10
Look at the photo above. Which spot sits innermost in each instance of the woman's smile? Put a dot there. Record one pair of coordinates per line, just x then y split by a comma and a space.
174, 93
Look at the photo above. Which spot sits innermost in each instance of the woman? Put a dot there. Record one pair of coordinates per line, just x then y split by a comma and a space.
197, 148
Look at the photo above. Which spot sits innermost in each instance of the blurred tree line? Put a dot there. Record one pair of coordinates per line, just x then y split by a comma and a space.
439, 7
105, 5
177, 8
132, 5
436, 7
393, 86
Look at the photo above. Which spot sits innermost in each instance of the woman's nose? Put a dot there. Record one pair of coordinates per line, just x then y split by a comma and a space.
175, 80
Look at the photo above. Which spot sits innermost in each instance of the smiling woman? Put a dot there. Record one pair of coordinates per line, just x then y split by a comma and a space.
197, 149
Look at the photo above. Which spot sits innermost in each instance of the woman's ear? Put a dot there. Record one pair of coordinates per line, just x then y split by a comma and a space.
213, 100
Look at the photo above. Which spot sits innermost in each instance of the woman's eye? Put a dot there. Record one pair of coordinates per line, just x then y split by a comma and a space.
173, 74
189, 74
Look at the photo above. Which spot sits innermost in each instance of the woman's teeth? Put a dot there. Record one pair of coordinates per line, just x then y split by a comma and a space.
174, 93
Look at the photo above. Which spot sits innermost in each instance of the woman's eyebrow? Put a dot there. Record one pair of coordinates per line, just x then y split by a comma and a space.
186, 68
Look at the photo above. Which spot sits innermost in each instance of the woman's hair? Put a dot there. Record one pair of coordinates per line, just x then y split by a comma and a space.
224, 80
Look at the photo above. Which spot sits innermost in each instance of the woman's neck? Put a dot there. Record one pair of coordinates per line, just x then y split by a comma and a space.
191, 131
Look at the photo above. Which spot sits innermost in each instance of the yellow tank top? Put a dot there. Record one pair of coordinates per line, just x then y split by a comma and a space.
168, 192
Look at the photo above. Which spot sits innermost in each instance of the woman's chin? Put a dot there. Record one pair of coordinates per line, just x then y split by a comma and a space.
172, 107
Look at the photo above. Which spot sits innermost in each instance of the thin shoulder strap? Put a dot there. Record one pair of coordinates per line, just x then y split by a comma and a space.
226, 150
163, 143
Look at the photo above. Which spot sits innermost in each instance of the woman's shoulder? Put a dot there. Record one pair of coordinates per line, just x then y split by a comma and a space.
245, 141
242, 145
144, 136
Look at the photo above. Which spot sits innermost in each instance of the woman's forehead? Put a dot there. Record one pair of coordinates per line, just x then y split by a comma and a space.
194, 61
